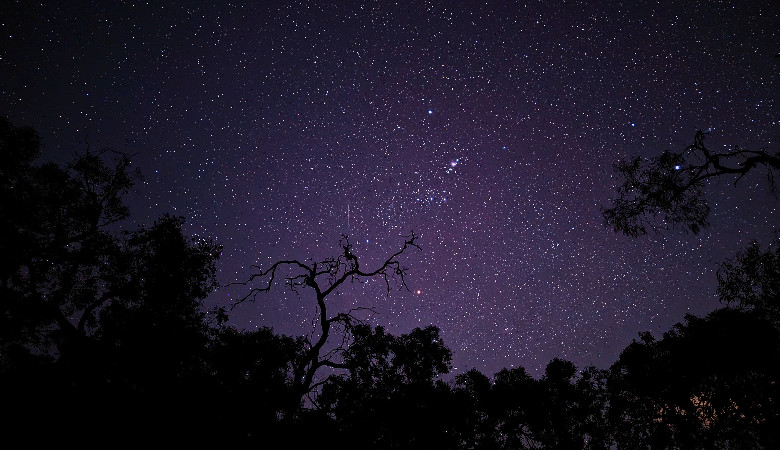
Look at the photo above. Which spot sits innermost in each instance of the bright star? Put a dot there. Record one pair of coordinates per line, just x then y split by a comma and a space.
453, 164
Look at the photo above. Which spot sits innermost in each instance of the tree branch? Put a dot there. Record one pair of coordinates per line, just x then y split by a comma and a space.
669, 189
324, 278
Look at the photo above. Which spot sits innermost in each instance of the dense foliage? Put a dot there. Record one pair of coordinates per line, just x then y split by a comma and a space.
104, 340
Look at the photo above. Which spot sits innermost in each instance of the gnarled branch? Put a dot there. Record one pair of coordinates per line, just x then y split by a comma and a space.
667, 191
324, 277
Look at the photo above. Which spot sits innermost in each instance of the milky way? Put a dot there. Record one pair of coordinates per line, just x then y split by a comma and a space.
488, 129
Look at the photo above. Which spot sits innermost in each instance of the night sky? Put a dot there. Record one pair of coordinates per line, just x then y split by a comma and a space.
487, 128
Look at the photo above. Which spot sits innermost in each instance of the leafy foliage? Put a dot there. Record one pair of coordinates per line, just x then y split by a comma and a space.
752, 279
391, 396
104, 336
667, 191
708, 383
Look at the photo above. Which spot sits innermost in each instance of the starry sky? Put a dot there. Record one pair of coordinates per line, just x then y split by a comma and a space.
487, 128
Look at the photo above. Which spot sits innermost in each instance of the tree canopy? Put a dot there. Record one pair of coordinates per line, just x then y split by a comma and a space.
667, 191
708, 383
104, 338
324, 278
752, 280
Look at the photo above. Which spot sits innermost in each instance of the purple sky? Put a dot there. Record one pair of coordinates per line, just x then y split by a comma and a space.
488, 128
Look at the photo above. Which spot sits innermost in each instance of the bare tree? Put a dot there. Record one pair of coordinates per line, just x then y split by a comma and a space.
324, 278
667, 191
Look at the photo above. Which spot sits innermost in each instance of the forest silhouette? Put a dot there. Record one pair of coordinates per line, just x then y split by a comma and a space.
105, 340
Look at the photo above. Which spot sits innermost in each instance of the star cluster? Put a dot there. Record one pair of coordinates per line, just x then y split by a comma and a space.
487, 128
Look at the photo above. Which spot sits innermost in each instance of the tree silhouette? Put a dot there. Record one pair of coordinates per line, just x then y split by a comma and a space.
108, 327
324, 278
154, 320
475, 409
53, 227
391, 396
667, 190
590, 410
708, 383
103, 333
69, 281
96, 324
562, 409
248, 387
752, 280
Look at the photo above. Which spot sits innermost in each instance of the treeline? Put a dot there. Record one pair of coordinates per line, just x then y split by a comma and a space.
105, 341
